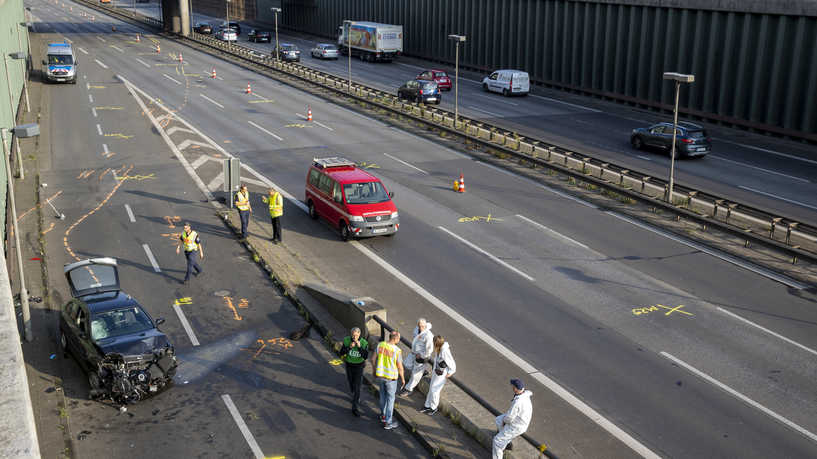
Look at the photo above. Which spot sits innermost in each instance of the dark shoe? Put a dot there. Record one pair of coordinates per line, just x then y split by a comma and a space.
425, 409
431, 412
183, 282
391, 426
510, 446
356, 412
404, 393
197, 273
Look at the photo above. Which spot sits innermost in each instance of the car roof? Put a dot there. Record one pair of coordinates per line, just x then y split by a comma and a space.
435, 70
348, 175
325, 44
108, 301
287, 44
685, 125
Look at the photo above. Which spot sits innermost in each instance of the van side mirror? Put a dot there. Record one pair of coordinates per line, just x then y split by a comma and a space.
338, 198
391, 194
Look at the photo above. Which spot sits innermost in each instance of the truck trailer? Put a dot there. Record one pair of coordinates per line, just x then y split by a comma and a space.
371, 41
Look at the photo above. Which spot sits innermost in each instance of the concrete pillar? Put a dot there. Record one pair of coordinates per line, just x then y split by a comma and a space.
184, 10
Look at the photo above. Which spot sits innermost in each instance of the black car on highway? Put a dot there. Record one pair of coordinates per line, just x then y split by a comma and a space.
232, 25
420, 91
690, 140
258, 36
289, 52
203, 28
112, 337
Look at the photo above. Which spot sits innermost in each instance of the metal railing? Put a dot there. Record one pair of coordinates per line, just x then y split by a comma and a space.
540, 446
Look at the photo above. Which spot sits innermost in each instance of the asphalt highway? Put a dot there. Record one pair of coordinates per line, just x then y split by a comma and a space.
673, 351
772, 174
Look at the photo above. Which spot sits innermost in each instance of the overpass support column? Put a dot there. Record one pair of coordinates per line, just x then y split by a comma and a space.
184, 13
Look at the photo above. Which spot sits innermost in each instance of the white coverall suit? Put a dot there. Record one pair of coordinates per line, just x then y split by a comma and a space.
422, 345
513, 423
438, 381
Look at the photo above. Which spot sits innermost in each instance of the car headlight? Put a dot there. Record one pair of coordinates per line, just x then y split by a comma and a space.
356, 218
394, 215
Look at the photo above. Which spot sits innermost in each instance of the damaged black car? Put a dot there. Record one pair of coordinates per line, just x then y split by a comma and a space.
112, 337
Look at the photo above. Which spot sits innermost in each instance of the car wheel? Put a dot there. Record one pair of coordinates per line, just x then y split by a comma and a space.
345, 231
505, 92
64, 345
637, 143
313, 214
485, 87
439, 99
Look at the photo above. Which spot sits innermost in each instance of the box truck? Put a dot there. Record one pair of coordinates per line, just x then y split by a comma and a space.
371, 41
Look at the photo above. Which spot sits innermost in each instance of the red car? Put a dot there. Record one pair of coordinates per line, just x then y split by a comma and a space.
437, 76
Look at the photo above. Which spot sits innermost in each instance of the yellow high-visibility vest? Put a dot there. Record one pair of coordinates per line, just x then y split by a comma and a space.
189, 241
242, 201
276, 205
386, 362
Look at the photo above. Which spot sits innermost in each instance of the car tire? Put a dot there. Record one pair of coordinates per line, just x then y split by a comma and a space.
439, 99
637, 143
345, 231
313, 213
64, 345
485, 87
505, 92
94, 382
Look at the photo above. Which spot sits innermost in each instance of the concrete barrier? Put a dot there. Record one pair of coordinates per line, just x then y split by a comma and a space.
348, 310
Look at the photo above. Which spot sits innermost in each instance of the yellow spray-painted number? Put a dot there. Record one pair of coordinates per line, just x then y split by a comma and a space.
280, 343
658, 307
366, 165
487, 219
185, 300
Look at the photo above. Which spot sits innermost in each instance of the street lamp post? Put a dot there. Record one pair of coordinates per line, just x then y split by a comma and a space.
457, 40
347, 31
25, 79
18, 55
678, 78
275, 12
227, 9
28, 130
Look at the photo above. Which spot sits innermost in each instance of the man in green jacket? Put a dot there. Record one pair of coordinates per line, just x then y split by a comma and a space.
354, 352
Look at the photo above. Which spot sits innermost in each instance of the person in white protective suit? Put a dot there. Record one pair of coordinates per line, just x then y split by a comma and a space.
417, 360
443, 367
515, 421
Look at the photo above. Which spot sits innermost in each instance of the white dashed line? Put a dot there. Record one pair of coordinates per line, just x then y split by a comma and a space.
101, 64
777, 197
323, 125
83, 51
212, 101
760, 169
546, 188
93, 110
91, 98
186, 325
407, 164
105, 149
485, 111
151, 258
130, 214
810, 161
102, 39
492, 257
266, 131
566, 103
553, 232
776, 335
242, 426
99, 129
645, 158
143, 62
117, 48
174, 80
738, 395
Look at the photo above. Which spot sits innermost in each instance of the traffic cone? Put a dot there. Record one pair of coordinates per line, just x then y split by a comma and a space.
462, 184
308, 113
113, 28
249, 89
92, 18
158, 49
181, 59
137, 38
213, 73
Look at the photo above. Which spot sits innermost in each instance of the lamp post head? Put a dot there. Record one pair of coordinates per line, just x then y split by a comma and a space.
680, 77
456, 37
275, 10
26, 130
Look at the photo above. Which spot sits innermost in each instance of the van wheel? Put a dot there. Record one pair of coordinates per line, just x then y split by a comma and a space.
312, 212
505, 92
485, 87
345, 231
637, 144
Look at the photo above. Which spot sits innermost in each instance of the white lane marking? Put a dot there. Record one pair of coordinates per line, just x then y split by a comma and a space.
88, 86
760, 169
739, 396
407, 164
117, 48
212, 101
645, 158
495, 99
259, 96
323, 125
143, 62
102, 39
68, 40
778, 197
199, 161
553, 232
151, 258
785, 155
544, 187
83, 51
549, 383
760, 327
253, 181
242, 426
409, 65
101, 64
99, 129
93, 110
490, 256
715, 253
186, 325
266, 131
105, 148
484, 111
566, 103
91, 98
216, 183
130, 214
173, 79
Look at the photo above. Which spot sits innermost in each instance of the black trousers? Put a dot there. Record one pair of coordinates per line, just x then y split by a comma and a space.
245, 221
276, 228
354, 373
191, 263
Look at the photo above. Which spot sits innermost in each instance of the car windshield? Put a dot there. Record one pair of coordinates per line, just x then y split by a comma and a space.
119, 322
440, 75
429, 86
365, 193
330, 48
60, 59
695, 134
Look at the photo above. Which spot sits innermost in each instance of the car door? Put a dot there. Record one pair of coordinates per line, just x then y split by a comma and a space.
653, 136
493, 81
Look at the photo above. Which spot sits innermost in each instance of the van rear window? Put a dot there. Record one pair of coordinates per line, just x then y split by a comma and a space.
365, 193
695, 134
60, 59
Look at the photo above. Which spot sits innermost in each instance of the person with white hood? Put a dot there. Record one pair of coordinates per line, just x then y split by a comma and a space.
515, 421
416, 361
443, 367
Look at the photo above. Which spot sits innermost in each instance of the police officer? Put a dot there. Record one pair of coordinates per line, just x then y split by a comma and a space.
191, 242
276, 210
355, 351
242, 202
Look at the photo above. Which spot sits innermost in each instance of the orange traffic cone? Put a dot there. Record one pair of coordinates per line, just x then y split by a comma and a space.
308, 113
462, 184
180, 58
249, 89
213, 73
158, 49
137, 38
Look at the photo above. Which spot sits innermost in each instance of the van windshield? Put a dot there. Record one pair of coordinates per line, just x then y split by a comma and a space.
365, 193
60, 59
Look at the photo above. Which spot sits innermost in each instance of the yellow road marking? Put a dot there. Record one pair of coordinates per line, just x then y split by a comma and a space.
109, 108
335, 362
366, 165
262, 101
120, 135
229, 301
185, 300
49, 228
96, 87
487, 219
675, 309
297, 125
137, 177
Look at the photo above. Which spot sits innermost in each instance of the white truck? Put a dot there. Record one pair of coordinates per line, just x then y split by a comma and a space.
371, 41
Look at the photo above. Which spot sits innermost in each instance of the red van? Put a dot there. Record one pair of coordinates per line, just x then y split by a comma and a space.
351, 199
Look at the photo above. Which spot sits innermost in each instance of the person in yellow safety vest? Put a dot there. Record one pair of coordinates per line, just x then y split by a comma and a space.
191, 242
242, 202
276, 210
388, 365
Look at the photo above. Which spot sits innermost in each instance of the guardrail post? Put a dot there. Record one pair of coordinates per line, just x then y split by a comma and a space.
773, 223
791, 227
602, 168
584, 164
622, 173
690, 195
729, 208
718, 202
568, 154
644, 181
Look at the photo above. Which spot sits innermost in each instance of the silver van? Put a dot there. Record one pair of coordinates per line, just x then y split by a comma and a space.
61, 63
507, 82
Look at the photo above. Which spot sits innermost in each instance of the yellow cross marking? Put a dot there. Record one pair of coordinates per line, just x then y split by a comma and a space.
487, 219
675, 309
185, 300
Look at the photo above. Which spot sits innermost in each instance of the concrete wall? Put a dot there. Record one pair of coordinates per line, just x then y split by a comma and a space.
239, 9
11, 15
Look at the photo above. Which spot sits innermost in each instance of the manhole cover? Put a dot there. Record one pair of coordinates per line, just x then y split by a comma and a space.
221, 293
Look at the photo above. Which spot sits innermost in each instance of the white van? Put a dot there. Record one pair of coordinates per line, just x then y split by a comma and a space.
61, 65
507, 82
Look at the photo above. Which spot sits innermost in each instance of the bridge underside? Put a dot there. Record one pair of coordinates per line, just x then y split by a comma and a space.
176, 16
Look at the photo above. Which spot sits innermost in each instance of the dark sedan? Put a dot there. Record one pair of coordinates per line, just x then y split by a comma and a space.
258, 36
112, 337
420, 91
691, 139
289, 52
203, 28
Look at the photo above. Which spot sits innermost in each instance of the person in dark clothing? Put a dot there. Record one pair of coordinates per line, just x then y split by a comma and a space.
354, 352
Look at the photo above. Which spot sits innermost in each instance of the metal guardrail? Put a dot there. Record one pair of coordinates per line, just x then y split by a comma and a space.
751, 224
540, 446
